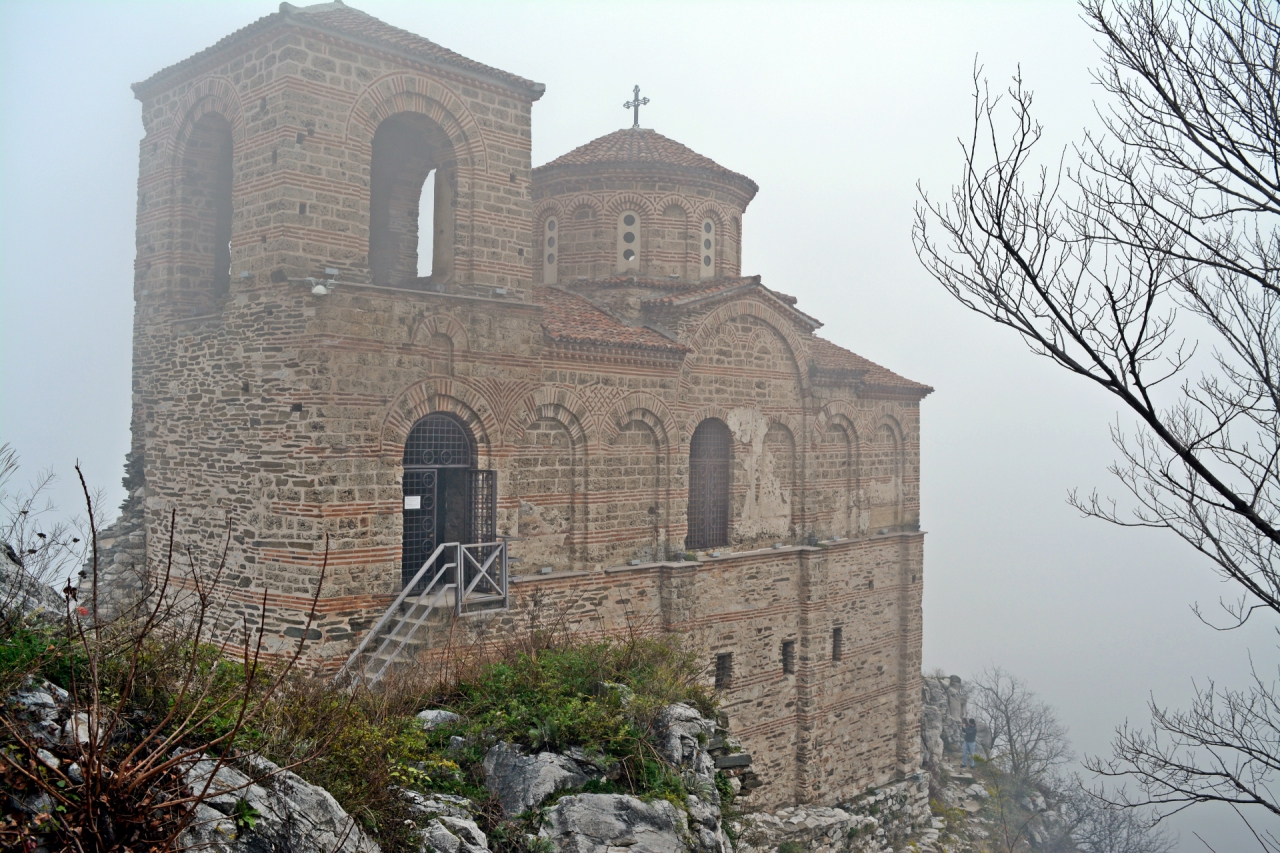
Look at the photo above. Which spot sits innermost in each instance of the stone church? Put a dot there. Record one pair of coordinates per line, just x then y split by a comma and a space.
576, 367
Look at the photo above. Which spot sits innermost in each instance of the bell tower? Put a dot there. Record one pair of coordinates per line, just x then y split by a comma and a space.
280, 189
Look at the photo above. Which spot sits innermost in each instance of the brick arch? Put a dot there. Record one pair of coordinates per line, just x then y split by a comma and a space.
629, 201
438, 395
573, 205
697, 416
662, 203
837, 411
559, 404
643, 407
787, 422
440, 324
546, 208
711, 210
892, 422
399, 92
710, 325
211, 95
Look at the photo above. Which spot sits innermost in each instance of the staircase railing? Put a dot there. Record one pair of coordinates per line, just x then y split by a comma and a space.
481, 578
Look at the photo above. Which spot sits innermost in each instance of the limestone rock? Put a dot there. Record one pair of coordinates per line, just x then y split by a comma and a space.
292, 814
453, 835
680, 733
521, 781
595, 823
25, 593
433, 804
433, 717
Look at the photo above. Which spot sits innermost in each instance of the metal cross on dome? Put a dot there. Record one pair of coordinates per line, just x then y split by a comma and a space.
635, 104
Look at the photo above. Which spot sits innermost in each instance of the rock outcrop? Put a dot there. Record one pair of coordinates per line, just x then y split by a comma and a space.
21, 591
880, 820
595, 823
521, 782
288, 812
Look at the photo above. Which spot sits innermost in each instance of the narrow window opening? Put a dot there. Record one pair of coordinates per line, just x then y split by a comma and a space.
275, 156
628, 240
426, 231
207, 195
302, 208
724, 670
550, 273
837, 644
707, 250
788, 657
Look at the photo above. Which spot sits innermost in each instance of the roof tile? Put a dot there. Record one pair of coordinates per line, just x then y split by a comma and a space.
644, 148
338, 18
829, 356
571, 318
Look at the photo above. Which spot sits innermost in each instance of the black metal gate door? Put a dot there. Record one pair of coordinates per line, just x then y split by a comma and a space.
420, 506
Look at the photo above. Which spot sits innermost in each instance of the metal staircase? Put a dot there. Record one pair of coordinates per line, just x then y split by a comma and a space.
466, 578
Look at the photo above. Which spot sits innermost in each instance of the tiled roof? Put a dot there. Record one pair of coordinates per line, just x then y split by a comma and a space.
829, 356
571, 318
639, 147
716, 286
340, 19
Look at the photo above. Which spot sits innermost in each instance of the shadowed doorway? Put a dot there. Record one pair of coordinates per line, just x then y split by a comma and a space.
446, 498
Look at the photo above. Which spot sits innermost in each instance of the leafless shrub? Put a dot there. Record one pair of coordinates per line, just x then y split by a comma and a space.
148, 693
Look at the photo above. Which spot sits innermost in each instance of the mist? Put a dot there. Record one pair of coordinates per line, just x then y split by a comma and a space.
836, 110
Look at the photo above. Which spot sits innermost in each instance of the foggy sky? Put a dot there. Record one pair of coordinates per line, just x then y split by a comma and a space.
836, 110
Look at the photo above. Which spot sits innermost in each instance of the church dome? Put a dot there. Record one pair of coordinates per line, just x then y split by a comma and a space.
643, 150
635, 201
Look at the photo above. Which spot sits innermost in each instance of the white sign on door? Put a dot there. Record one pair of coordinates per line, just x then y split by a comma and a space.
413, 501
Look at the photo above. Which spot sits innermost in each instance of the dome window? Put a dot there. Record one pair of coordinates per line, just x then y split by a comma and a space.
628, 240
549, 273
707, 250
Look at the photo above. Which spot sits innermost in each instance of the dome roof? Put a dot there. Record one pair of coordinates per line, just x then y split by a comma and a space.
641, 149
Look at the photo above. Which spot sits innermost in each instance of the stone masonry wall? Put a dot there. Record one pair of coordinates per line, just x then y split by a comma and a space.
279, 416
820, 734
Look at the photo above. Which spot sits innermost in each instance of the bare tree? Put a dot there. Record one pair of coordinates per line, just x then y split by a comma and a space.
1027, 741
1099, 827
1147, 261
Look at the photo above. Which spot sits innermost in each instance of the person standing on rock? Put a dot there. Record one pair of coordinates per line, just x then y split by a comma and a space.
970, 741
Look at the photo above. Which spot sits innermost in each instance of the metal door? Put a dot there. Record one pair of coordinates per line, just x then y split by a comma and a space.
420, 505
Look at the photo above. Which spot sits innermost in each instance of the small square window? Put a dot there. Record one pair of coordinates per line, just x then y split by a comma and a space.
724, 670
788, 656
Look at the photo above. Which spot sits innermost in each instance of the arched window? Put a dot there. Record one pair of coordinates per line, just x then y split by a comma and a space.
710, 468
549, 251
446, 499
628, 241
206, 194
403, 220
707, 250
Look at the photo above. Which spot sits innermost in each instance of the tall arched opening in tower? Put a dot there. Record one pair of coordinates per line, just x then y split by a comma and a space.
205, 261
407, 149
